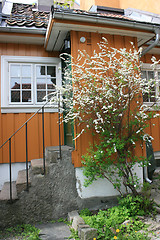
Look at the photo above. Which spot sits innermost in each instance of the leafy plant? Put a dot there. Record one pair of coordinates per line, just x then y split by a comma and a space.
137, 205
85, 212
24, 231
74, 234
120, 222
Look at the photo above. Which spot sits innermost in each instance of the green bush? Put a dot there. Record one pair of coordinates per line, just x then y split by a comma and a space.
110, 224
137, 205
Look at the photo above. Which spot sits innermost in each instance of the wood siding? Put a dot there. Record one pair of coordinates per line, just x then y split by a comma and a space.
144, 5
154, 125
10, 122
117, 41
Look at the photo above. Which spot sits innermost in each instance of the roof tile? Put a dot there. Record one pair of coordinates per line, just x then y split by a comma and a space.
25, 15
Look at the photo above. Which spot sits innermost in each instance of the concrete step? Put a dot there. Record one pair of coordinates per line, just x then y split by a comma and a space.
157, 171
21, 182
37, 166
52, 153
5, 192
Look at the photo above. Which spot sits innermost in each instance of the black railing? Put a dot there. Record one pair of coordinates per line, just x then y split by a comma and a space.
26, 143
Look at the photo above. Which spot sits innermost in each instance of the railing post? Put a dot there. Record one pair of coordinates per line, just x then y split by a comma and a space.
60, 152
27, 186
44, 164
10, 169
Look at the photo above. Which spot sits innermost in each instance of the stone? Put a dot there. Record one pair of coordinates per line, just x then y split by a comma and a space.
37, 166
154, 226
51, 154
157, 199
72, 214
158, 217
153, 191
5, 192
88, 233
157, 171
54, 231
80, 227
126, 222
158, 209
77, 220
21, 183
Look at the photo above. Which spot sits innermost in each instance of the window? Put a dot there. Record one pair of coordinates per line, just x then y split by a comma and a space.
154, 93
26, 81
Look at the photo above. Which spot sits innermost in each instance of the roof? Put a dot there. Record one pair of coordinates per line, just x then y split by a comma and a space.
110, 21
90, 13
24, 15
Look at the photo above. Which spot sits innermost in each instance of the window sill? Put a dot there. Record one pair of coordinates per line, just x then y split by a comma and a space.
28, 109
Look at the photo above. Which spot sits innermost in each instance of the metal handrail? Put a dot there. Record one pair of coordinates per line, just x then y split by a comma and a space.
26, 133
24, 124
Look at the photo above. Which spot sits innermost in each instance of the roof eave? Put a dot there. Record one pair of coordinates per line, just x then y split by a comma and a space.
90, 19
23, 30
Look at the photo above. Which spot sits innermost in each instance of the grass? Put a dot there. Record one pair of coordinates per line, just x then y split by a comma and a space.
23, 232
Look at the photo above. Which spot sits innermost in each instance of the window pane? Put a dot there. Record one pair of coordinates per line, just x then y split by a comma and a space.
15, 70
15, 83
152, 97
40, 71
51, 71
41, 83
26, 70
15, 96
26, 96
145, 97
49, 94
143, 74
50, 83
40, 96
26, 83
150, 75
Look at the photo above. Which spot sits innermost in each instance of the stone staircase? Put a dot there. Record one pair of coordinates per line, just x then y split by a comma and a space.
36, 168
5, 192
50, 196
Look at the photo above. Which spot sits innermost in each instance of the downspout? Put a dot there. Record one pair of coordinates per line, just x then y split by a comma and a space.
157, 32
146, 175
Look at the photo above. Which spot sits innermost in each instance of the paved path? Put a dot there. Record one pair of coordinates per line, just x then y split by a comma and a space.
54, 231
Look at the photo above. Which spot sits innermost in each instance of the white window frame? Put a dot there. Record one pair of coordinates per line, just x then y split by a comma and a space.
9, 107
148, 67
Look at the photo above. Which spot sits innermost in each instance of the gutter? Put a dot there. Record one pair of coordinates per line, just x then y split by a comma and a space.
104, 20
22, 30
157, 32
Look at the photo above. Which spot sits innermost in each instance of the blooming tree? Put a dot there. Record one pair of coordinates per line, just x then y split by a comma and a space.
104, 93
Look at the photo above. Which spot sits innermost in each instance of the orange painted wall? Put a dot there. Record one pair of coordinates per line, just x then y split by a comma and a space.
82, 143
154, 125
10, 122
146, 5
85, 5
